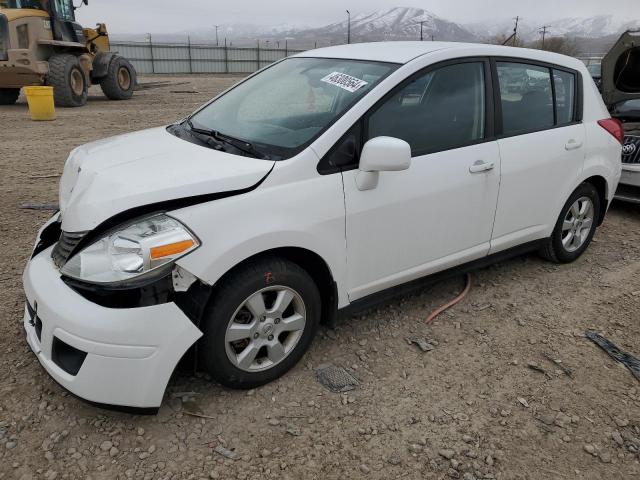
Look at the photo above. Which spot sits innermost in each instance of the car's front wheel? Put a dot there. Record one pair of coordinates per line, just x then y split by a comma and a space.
575, 227
259, 323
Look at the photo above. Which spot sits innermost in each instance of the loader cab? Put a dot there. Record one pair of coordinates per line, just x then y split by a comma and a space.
62, 17
63, 21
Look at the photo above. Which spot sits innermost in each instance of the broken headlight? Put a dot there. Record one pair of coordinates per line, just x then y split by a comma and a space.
135, 250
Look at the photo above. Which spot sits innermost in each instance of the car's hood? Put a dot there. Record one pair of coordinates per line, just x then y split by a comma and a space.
621, 70
107, 177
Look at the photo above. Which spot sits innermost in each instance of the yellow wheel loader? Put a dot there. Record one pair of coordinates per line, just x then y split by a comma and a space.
42, 44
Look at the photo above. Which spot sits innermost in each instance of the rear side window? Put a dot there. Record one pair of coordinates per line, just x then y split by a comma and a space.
565, 88
526, 97
439, 110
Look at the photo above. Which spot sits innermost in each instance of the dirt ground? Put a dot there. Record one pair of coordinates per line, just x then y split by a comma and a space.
471, 408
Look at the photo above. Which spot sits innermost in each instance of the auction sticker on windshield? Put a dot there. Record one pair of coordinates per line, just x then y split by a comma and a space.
344, 81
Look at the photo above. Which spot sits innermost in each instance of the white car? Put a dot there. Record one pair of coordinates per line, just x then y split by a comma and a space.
322, 183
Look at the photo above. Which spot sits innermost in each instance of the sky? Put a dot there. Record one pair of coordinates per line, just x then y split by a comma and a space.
168, 16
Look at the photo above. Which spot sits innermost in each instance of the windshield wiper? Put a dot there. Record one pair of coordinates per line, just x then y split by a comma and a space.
236, 143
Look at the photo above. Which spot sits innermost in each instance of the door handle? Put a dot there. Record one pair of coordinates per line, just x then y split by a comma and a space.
481, 166
572, 145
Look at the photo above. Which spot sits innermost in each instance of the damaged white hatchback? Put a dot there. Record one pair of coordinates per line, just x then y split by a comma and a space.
323, 182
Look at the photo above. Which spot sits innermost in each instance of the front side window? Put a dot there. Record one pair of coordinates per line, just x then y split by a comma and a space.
526, 97
439, 110
282, 109
34, 4
64, 9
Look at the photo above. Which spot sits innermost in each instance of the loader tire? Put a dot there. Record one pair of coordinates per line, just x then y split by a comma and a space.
9, 96
120, 81
70, 85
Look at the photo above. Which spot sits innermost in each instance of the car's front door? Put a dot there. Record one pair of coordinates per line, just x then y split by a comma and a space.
440, 211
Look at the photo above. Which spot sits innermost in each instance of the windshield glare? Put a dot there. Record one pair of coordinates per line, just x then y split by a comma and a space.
285, 107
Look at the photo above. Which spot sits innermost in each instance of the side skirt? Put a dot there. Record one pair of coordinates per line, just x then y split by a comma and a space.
384, 296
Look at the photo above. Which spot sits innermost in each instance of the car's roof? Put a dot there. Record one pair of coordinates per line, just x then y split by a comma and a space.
404, 52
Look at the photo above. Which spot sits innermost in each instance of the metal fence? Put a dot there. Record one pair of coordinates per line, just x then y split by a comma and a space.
196, 58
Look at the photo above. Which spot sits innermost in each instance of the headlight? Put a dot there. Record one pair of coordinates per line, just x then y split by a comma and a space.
132, 251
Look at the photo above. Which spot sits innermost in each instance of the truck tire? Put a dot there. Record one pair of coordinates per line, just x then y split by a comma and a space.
120, 81
70, 85
9, 96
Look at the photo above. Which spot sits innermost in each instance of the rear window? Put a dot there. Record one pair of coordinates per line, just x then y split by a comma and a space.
535, 98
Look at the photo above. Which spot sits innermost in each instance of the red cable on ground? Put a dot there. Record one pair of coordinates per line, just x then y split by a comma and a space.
450, 304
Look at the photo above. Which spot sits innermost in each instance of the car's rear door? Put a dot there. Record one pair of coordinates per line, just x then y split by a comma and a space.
541, 146
440, 211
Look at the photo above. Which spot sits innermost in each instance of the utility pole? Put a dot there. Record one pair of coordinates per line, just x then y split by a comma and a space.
216, 27
348, 26
543, 30
421, 29
515, 30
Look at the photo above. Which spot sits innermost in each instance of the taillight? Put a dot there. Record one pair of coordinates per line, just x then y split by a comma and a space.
614, 127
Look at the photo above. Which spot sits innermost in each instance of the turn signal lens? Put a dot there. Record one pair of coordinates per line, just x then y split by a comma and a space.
171, 249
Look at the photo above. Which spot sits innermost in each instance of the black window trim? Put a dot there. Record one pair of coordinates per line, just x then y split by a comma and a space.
324, 168
493, 109
577, 105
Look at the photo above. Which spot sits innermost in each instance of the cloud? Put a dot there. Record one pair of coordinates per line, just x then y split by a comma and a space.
169, 16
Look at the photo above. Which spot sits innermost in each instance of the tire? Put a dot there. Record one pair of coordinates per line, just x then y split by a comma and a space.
9, 96
121, 79
69, 82
569, 241
231, 362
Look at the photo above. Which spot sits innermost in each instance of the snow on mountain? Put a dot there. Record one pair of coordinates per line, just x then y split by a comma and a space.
399, 23
529, 29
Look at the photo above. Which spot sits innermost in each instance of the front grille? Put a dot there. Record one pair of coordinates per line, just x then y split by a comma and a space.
67, 243
631, 150
4, 39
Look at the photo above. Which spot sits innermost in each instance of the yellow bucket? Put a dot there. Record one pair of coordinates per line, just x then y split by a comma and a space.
40, 100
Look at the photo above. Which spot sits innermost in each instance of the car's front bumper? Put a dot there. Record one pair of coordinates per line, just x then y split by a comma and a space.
130, 352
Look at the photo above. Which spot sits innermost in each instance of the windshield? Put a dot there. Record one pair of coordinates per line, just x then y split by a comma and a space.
284, 108
36, 4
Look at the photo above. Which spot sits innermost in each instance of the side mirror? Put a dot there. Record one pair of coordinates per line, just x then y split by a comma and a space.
381, 154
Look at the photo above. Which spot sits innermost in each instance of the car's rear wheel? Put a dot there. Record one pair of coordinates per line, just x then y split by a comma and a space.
575, 227
9, 96
259, 323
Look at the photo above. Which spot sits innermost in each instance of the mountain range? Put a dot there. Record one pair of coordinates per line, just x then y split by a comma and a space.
404, 23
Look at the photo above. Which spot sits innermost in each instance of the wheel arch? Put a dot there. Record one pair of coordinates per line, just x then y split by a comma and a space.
313, 264
602, 187
310, 261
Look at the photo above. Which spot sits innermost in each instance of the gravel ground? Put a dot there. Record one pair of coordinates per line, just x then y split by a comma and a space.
471, 408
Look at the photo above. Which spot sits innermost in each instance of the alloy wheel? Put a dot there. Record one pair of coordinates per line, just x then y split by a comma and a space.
577, 224
265, 328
